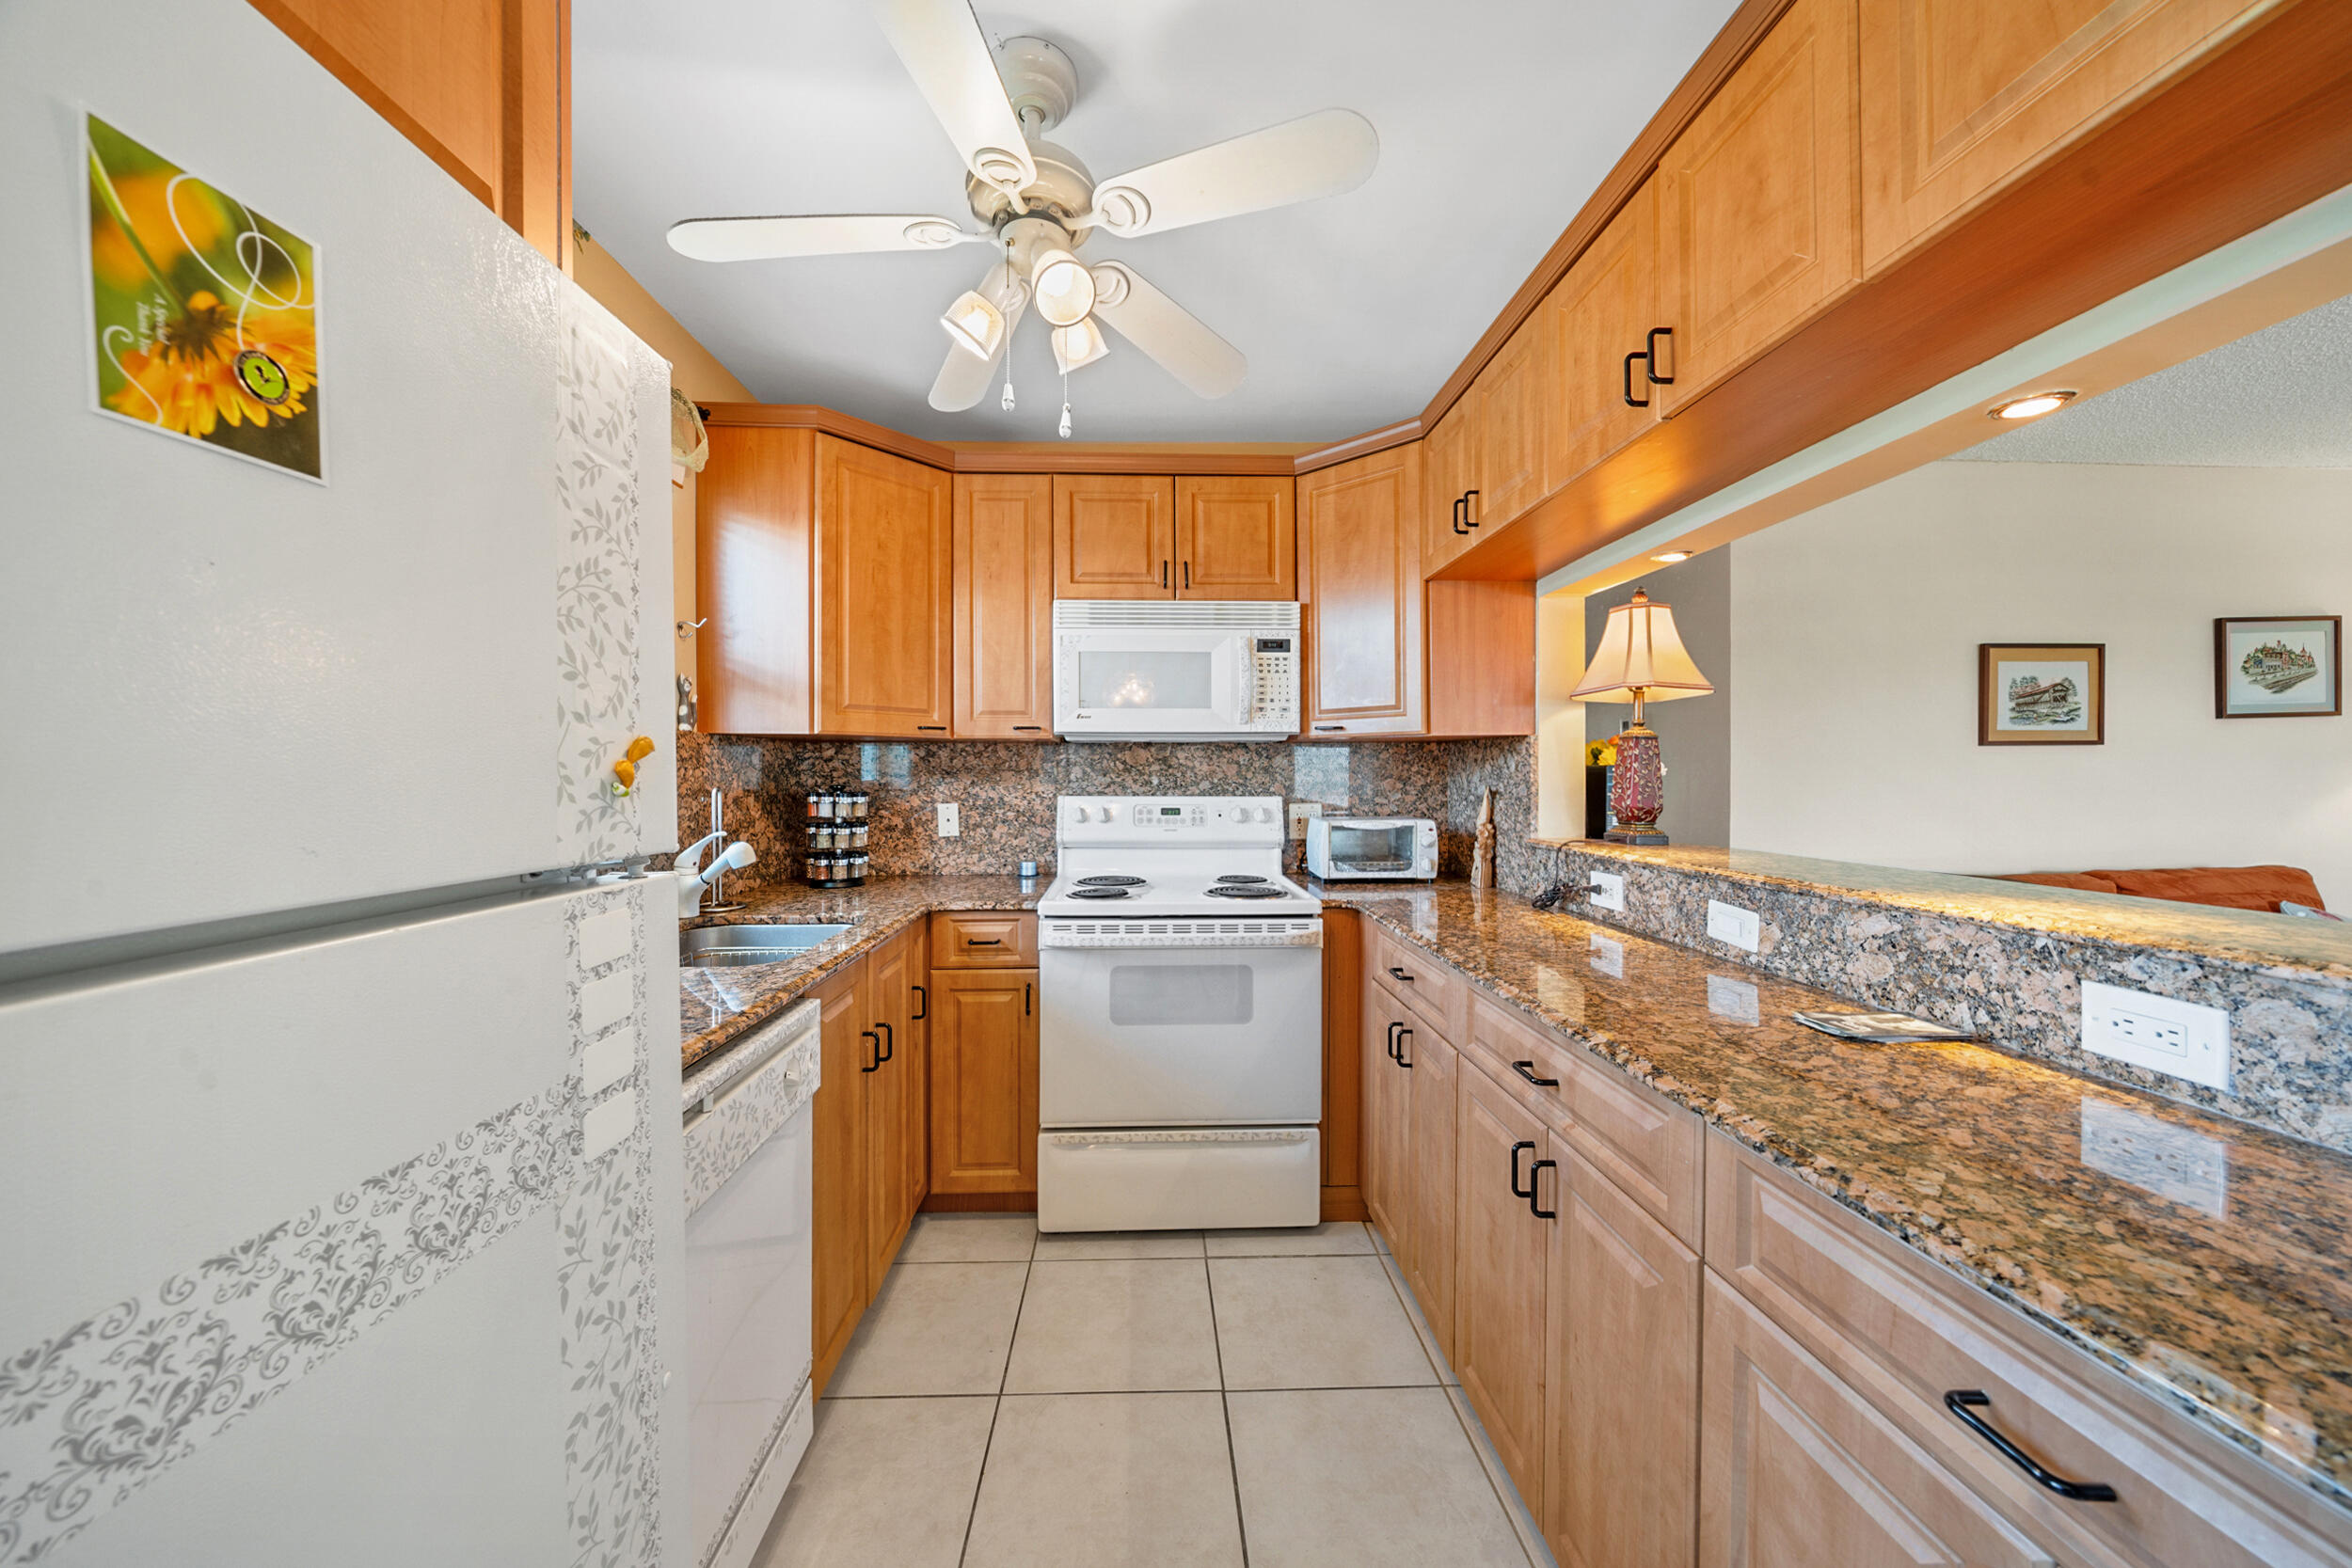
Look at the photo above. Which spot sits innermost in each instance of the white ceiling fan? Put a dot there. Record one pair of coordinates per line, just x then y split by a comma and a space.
1041, 205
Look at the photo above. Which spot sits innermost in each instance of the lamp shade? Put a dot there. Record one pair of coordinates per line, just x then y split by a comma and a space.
1640, 653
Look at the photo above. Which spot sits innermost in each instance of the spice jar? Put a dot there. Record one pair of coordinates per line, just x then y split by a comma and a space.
853, 868
856, 803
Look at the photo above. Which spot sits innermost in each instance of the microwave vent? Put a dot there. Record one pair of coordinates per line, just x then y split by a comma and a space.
1192, 615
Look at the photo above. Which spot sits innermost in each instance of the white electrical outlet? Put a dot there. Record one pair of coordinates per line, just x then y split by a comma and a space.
1608, 891
2168, 1161
1608, 957
2157, 1033
1301, 811
950, 819
1730, 924
1732, 998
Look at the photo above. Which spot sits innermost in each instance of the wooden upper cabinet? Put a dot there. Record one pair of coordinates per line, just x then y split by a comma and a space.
1596, 316
1360, 571
1236, 539
1004, 614
754, 533
1756, 200
1449, 474
1512, 396
884, 615
1114, 536
1956, 99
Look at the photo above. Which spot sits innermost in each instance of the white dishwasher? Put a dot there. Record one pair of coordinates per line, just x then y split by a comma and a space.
749, 1158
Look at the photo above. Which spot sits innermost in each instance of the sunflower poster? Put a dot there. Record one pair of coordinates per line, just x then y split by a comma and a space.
203, 313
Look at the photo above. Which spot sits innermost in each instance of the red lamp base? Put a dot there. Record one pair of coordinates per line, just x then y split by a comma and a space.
1637, 788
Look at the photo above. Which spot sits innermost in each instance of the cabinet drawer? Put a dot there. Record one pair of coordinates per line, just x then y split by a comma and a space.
1650, 1147
984, 939
1416, 976
1903, 1332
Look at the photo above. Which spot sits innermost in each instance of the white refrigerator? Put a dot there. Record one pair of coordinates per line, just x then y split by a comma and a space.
340, 1177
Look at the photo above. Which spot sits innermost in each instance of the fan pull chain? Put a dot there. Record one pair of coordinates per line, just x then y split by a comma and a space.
1005, 403
1065, 405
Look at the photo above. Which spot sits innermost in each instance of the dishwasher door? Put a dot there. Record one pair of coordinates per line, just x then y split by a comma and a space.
749, 1231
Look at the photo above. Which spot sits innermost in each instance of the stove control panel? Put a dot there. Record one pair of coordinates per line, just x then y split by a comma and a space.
1203, 820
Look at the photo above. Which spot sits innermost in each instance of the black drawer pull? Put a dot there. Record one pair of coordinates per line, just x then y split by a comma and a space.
1028, 729
1535, 1173
1403, 1034
939, 727
922, 994
1331, 726
1631, 401
1527, 1071
1963, 1403
1649, 354
1465, 509
869, 1035
1517, 1191
984, 942
1400, 975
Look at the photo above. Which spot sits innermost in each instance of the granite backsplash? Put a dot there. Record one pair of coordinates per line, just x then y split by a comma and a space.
1006, 790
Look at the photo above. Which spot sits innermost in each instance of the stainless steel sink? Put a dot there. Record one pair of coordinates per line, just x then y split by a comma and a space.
735, 946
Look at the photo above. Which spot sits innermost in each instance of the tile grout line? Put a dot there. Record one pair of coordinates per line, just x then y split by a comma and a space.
998, 1409
1224, 1408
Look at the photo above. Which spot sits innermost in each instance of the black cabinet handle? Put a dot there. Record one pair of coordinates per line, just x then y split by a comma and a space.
1963, 1403
1163, 574
1331, 726
1187, 574
1026, 990
1631, 401
1534, 1174
939, 727
1527, 1071
1393, 1027
1649, 354
923, 996
869, 1035
1466, 509
1460, 502
1400, 975
889, 1043
1401, 1035
984, 942
1031, 728
1528, 1192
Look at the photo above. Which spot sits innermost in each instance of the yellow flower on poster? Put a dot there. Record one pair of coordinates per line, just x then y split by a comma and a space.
203, 313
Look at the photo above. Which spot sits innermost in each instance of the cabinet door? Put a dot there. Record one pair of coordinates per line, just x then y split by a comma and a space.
1430, 1072
1114, 536
1236, 539
886, 616
1360, 580
1501, 1247
1956, 99
1756, 200
914, 1001
893, 1098
755, 660
1450, 473
1601, 312
1796, 1470
838, 1179
1003, 617
983, 1132
1621, 1389
1512, 394
1387, 1113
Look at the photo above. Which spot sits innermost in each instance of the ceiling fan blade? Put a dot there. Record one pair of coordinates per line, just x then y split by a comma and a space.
942, 45
813, 235
963, 379
1318, 154
1167, 332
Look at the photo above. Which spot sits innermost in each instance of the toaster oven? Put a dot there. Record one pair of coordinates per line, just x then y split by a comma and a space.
1372, 848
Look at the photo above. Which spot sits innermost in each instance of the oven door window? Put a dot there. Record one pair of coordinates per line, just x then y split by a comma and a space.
1373, 848
1181, 995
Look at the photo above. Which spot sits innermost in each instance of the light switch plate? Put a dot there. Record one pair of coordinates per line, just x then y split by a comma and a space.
1729, 923
1301, 812
950, 819
2157, 1033
1608, 891
1732, 998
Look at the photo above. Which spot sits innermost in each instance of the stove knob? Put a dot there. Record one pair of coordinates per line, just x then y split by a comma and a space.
1082, 813
1265, 813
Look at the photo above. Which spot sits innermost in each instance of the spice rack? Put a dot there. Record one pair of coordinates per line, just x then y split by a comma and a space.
836, 826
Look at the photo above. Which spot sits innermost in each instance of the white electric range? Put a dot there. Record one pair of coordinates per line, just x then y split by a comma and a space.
1181, 1019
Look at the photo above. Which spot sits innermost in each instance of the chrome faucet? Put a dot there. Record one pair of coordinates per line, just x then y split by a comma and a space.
693, 877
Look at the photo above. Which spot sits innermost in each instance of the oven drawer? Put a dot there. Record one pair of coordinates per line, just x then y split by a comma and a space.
1178, 1181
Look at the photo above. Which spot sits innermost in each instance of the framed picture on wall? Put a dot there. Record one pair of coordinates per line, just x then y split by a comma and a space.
2041, 693
2277, 666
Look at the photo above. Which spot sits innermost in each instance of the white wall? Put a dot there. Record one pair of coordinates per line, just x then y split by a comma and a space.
1855, 628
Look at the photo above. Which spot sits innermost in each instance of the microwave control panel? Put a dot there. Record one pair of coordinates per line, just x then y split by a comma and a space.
1274, 693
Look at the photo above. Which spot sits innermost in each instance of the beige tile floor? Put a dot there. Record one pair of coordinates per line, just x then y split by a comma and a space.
1234, 1400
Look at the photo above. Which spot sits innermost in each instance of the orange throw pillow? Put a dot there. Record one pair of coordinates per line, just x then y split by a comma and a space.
2082, 879
2234, 887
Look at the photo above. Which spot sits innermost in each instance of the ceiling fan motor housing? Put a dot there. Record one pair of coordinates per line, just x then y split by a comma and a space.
1063, 189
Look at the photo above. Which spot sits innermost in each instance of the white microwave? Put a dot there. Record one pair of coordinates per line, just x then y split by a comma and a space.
1372, 848
1165, 670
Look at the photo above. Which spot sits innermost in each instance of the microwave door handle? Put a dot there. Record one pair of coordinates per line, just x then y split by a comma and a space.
1248, 670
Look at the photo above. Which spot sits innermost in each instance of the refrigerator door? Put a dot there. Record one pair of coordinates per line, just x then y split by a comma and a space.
363, 1248
234, 690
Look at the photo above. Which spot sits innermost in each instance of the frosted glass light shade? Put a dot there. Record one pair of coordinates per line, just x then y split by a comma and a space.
1079, 344
974, 324
1063, 290
1640, 653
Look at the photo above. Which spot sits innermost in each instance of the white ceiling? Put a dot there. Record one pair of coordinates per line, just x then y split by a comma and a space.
1497, 118
2281, 398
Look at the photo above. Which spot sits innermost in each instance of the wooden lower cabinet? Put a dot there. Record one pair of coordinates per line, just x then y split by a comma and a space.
1621, 1383
1431, 1070
897, 1146
839, 1288
1799, 1471
1501, 1247
1384, 1160
983, 1124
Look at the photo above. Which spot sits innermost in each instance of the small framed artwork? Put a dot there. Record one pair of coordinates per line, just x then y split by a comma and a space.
2277, 666
2041, 693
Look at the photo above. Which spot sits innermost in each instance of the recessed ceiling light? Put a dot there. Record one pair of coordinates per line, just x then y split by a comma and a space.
1670, 557
2033, 408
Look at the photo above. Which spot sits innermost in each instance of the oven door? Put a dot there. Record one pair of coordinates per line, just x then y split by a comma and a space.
1144, 681
1179, 1036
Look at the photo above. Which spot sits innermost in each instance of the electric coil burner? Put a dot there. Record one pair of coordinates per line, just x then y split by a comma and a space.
1098, 893
1232, 878
1242, 890
1113, 881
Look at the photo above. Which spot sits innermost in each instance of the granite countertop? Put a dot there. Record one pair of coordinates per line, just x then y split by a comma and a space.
717, 1006
2229, 1300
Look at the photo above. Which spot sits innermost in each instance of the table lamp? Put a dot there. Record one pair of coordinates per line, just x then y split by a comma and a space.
1640, 660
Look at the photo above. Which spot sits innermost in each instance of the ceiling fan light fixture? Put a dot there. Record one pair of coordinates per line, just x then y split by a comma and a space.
1061, 288
974, 324
1079, 344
